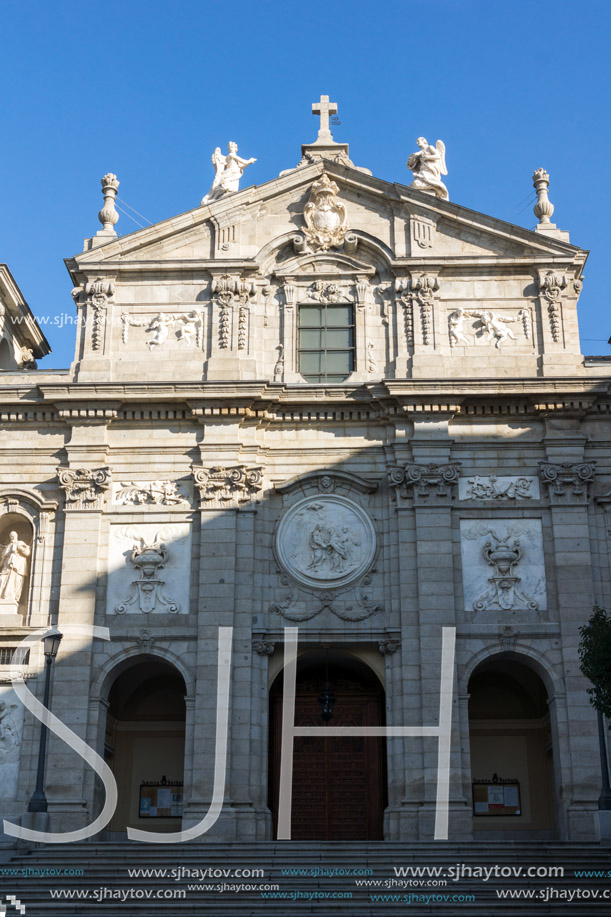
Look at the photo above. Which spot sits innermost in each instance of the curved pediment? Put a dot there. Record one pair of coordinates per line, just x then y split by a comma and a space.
331, 264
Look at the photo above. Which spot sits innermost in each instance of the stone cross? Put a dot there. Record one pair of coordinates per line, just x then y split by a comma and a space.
324, 108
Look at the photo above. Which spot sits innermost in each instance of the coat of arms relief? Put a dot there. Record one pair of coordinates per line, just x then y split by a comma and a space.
325, 216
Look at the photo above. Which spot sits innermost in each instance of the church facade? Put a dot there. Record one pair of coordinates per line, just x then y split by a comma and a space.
329, 403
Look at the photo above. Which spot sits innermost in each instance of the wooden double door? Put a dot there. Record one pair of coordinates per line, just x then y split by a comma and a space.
339, 784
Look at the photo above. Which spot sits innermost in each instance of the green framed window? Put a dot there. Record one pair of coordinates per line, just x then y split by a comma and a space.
325, 347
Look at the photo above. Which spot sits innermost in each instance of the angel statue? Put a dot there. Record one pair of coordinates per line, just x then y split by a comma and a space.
428, 165
228, 172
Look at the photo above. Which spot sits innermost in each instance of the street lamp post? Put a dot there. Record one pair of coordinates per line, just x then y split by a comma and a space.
38, 802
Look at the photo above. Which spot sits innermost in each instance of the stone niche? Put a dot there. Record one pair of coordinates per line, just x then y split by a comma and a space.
11, 729
149, 569
16, 540
503, 565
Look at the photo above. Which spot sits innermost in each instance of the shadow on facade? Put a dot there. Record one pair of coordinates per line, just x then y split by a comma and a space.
368, 566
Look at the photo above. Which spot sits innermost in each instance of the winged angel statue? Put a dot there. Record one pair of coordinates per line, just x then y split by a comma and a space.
428, 165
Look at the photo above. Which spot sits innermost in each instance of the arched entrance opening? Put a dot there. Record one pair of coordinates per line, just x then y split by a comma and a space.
145, 745
511, 740
339, 784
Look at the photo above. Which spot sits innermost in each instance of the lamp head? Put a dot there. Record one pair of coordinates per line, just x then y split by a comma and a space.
51, 642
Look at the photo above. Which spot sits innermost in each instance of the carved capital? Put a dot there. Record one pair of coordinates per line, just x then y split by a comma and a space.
84, 487
424, 484
226, 487
567, 482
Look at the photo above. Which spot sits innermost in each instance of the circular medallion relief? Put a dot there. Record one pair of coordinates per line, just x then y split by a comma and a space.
325, 541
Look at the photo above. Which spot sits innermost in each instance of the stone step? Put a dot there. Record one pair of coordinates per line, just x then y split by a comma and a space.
106, 864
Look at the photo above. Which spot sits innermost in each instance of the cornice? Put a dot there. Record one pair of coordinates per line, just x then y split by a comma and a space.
262, 402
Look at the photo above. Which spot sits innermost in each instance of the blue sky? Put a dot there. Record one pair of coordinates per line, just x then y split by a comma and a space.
148, 89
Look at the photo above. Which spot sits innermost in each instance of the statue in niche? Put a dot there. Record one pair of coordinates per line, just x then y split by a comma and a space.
228, 172
428, 165
13, 568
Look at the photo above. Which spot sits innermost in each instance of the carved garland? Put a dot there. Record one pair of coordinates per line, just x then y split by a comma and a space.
99, 293
227, 292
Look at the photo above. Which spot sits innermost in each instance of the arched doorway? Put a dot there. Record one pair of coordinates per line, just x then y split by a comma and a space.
339, 784
510, 737
145, 745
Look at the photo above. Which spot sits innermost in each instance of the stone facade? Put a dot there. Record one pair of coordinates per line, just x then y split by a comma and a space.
183, 475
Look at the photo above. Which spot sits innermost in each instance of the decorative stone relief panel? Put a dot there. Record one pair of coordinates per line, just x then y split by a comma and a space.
503, 565
150, 493
325, 546
474, 327
166, 328
149, 569
498, 488
11, 730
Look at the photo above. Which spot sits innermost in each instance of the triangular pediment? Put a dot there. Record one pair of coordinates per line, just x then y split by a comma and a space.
402, 223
